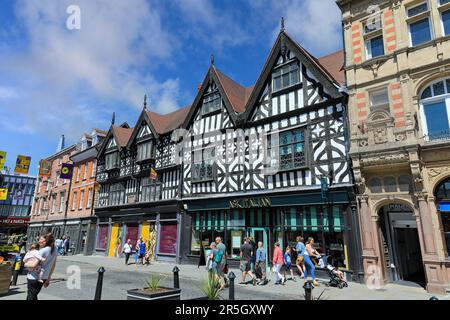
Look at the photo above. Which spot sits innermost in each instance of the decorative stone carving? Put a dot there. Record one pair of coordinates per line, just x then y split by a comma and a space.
380, 127
385, 159
400, 136
434, 172
374, 65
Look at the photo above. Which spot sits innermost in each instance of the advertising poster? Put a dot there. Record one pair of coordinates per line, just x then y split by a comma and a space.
102, 239
168, 239
22, 164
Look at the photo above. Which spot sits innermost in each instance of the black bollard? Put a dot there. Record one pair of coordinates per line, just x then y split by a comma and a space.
98, 289
434, 298
231, 276
16, 269
176, 277
308, 290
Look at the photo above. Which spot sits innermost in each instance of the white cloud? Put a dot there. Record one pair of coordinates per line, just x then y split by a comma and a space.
315, 24
112, 58
8, 93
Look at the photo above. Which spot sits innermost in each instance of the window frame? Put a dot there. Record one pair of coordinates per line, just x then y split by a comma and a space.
89, 199
432, 100
139, 145
305, 148
386, 106
117, 160
74, 201
417, 18
217, 96
445, 8
80, 201
280, 68
198, 179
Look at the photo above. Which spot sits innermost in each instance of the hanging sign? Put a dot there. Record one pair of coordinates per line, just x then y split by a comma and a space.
66, 171
3, 194
45, 168
2, 159
22, 164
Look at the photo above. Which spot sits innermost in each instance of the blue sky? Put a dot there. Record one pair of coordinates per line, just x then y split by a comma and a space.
57, 81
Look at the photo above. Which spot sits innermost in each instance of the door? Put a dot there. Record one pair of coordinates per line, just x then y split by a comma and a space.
409, 257
260, 234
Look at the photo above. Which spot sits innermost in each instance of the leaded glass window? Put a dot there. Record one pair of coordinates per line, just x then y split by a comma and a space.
291, 149
203, 166
211, 103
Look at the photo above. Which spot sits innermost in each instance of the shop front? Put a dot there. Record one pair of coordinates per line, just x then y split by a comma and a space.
273, 219
157, 226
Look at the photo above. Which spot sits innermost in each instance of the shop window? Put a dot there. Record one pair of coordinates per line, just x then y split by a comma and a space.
442, 195
206, 226
375, 185
102, 237
390, 185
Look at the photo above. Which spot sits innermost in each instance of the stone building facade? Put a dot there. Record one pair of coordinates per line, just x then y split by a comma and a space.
398, 78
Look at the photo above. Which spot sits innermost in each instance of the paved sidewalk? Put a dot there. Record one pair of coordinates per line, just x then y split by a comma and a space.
291, 290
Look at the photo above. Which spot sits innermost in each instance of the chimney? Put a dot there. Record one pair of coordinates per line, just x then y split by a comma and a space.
61, 143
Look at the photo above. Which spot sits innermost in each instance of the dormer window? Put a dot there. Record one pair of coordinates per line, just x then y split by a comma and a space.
286, 76
144, 150
211, 102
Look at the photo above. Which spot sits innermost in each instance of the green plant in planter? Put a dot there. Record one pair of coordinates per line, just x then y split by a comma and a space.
211, 287
153, 282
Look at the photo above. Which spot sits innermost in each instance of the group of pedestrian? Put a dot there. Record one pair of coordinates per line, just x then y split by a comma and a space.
143, 253
40, 261
253, 261
62, 245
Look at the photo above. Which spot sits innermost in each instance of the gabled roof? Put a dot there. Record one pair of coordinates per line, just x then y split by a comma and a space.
334, 64
168, 122
122, 135
237, 94
326, 77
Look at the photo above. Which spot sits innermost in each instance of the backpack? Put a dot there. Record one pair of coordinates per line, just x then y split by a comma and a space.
218, 256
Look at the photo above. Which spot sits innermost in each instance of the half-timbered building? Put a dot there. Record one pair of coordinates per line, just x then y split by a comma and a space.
256, 158
269, 160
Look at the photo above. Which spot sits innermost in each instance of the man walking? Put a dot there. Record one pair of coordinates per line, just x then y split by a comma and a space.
127, 248
221, 260
59, 245
261, 263
246, 256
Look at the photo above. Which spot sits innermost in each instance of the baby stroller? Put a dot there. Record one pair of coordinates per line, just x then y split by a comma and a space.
335, 281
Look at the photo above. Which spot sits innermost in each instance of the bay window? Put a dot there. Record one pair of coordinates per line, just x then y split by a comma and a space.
111, 160
144, 150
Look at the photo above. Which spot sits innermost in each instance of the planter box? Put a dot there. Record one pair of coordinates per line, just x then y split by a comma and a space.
162, 293
5, 277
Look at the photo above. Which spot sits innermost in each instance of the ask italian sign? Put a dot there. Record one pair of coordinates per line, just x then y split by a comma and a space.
250, 203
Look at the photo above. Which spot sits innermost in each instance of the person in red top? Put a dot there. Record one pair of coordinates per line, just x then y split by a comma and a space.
278, 263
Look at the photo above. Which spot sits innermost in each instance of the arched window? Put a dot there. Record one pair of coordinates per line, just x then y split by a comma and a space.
390, 185
375, 185
442, 195
435, 110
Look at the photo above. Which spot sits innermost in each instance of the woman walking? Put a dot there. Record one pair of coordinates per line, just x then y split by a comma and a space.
142, 250
40, 272
278, 263
310, 268
127, 248
300, 249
